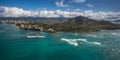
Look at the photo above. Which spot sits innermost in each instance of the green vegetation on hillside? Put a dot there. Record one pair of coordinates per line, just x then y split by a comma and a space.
77, 24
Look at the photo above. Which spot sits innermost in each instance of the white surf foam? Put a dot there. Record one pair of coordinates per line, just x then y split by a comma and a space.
75, 41
36, 37
76, 34
114, 33
72, 42
91, 35
97, 43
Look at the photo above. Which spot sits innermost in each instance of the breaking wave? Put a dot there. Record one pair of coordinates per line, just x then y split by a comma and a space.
114, 33
97, 43
36, 37
91, 35
75, 41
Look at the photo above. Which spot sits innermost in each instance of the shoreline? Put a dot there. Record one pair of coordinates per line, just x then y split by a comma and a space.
73, 31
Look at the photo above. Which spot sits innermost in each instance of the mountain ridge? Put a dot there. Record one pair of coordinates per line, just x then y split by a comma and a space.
76, 24
81, 23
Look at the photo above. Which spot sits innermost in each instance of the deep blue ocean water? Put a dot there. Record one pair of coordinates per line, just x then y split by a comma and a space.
16, 45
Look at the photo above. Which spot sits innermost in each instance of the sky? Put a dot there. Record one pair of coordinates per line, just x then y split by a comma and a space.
95, 9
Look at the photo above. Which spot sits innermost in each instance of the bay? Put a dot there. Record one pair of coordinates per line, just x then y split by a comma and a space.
16, 45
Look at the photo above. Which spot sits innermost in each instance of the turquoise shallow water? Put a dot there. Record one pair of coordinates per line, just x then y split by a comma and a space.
15, 45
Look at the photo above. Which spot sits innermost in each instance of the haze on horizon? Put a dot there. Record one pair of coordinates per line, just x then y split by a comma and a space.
95, 9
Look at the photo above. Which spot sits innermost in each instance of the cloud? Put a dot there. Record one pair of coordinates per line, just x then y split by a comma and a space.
89, 5
61, 4
47, 14
15, 12
79, 1
19, 12
77, 9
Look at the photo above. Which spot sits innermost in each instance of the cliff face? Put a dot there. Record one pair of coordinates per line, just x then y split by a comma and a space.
81, 23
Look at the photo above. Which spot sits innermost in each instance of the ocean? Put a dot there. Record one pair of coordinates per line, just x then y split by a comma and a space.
17, 44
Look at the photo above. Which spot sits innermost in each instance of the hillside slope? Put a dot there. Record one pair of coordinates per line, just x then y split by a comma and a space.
81, 23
